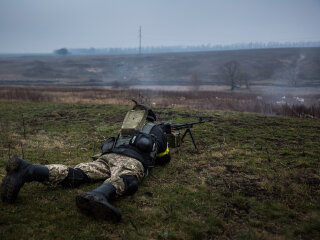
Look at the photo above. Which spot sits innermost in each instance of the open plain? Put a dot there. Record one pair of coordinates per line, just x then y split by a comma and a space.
256, 174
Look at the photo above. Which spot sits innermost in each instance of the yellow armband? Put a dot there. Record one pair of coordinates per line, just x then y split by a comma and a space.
165, 152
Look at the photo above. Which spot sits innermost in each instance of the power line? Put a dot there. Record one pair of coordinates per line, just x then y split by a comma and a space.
140, 35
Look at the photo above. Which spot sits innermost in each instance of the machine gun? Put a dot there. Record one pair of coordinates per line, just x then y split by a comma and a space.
173, 136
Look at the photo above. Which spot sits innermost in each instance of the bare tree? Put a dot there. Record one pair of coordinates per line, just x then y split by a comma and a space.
288, 74
245, 80
290, 71
195, 82
115, 84
230, 72
316, 62
291, 74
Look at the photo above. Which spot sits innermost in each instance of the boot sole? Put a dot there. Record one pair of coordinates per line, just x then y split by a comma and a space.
98, 208
7, 189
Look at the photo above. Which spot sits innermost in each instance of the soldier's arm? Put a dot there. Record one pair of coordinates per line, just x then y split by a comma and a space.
163, 154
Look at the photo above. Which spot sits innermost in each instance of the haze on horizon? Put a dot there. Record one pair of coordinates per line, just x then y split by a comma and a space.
40, 26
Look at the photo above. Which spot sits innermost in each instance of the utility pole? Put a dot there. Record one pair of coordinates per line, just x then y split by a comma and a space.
140, 35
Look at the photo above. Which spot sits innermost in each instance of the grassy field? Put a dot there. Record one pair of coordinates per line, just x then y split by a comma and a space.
284, 102
255, 177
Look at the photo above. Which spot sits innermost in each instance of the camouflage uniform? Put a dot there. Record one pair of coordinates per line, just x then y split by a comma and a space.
121, 165
108, 167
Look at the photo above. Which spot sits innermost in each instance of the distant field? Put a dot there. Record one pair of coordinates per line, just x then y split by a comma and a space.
263, 67
255, 177
297, 102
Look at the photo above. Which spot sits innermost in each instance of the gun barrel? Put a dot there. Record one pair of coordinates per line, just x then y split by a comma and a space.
185, 125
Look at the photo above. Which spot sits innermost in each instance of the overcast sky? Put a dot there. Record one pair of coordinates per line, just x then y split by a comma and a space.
28, 26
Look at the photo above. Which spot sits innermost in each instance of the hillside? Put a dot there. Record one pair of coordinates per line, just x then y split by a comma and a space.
261, 67
255, 177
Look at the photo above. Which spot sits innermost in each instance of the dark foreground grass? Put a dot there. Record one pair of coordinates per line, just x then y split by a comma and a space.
255, 177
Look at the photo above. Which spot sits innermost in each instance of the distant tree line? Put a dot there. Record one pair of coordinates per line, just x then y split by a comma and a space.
61, 51
178, 48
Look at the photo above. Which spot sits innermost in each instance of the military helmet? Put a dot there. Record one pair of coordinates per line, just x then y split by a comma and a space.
151, 116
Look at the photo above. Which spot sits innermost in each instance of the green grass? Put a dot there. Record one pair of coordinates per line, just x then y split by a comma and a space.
255, 177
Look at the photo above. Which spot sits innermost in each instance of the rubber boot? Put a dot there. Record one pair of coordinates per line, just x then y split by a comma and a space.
75, 178
19, 172
96, 203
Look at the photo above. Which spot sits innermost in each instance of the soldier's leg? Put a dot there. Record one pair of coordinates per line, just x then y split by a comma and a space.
18, 173
125, 172
81, 173
65, 176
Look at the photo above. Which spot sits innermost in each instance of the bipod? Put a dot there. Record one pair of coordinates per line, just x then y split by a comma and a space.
193, 141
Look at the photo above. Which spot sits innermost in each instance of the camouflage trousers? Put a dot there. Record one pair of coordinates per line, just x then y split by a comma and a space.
108, 168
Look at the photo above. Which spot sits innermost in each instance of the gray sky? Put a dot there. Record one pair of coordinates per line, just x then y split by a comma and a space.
28, 26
